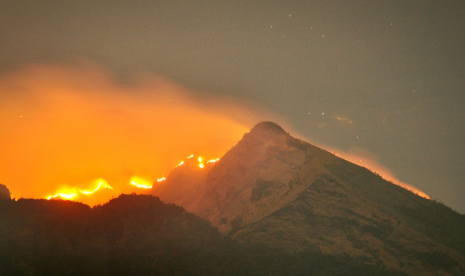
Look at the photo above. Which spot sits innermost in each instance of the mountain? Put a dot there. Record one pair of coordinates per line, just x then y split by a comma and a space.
4, 192
275, 190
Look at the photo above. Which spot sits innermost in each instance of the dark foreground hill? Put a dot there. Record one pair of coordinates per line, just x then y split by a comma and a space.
130, 235
278, 191
4, 192
140, 235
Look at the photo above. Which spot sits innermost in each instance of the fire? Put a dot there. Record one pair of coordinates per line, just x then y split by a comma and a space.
145, 184
69, 194
102, 184
62, 195
142, 183
136, 181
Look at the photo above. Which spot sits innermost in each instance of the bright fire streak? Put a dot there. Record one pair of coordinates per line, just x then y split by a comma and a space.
142, 183
213, 160
161, 179
200, 159
182, 162
143, 186
102, 184
190, 156
65, 196
201, 166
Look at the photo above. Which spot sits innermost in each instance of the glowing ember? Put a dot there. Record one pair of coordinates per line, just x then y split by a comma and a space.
161, 179
182, 162
201, 166
190, 156
213, 160
200, 159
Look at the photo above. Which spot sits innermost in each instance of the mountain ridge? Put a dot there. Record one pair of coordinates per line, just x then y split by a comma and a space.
273, 189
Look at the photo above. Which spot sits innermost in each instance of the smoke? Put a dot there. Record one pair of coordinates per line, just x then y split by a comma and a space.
68, 126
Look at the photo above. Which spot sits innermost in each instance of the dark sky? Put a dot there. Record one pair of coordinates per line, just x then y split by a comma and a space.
386, 77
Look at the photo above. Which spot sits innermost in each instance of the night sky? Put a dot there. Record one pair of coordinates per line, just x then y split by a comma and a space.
380, 79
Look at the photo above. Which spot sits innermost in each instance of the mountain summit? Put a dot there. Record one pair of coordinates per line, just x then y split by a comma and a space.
275, 190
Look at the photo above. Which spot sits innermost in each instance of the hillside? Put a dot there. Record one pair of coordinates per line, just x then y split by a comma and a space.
130, 235
282, 192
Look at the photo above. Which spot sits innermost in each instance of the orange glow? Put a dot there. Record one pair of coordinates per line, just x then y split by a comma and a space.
74, 124
367, 160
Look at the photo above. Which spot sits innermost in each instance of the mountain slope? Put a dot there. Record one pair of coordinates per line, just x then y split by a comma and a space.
279, 191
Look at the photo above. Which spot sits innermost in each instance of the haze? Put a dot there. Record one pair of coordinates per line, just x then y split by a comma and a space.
64, 128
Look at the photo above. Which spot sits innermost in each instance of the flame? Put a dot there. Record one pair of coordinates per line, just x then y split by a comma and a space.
145, 184
136, 181
62, 195
102, 184
142, 183
69, 194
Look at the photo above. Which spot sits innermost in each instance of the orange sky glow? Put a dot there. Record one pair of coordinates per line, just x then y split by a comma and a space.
68, 129
368, 160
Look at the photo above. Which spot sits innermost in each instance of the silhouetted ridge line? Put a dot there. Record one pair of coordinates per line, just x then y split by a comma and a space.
267, 127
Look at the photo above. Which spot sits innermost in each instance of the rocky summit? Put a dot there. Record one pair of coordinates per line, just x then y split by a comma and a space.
278, 191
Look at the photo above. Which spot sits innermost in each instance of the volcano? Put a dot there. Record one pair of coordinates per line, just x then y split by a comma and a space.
276, 190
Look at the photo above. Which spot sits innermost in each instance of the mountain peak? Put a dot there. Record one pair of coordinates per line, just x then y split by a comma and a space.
267, 127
